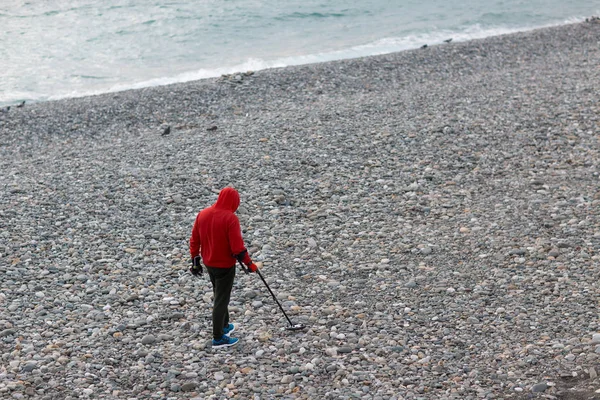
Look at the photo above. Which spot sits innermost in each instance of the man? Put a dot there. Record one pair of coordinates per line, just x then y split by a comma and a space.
217, 236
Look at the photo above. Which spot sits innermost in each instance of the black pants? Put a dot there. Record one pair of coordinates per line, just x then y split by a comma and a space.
222, 283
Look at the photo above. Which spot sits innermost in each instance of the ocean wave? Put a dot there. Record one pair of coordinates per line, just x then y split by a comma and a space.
377, 47
302, 15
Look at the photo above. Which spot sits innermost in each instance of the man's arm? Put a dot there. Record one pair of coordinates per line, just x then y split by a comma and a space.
236, 242
195, 239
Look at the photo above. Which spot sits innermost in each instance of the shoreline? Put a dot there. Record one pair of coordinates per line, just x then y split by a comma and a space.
437, 53
432, 215
268, 65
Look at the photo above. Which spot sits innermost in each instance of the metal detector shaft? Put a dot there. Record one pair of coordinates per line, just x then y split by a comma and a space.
272, 294
274, 298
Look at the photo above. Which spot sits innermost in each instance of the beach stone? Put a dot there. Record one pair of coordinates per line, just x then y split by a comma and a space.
554, 253
30, 366
188, 387
518, 252
411, 284
148, 339
332, 351
539, 387
7, 332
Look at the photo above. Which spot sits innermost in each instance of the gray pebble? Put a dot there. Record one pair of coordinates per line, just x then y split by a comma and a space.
188, 386
539, 387
148, 339
7, 332
411, 284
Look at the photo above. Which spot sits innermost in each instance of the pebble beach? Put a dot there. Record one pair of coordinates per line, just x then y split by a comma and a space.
432, 216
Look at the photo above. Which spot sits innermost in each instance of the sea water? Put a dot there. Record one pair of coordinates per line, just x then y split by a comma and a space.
53, 49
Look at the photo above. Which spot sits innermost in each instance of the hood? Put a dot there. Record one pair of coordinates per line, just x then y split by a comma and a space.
229, 199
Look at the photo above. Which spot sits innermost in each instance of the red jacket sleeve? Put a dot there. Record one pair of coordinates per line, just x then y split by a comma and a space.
236, 242
195, 239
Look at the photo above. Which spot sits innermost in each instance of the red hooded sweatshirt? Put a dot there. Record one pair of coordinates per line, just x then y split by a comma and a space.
217, 235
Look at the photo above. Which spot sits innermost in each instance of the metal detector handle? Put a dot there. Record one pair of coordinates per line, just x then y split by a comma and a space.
243, 267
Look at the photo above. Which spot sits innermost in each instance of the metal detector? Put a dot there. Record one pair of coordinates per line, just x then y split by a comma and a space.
292, 327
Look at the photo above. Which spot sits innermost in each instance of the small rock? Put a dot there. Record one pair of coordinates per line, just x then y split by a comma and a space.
7, 332
332, 351
177, 199
188, 386
30, 366
554, 253
411, 284
148, 339
539, 387
517, 252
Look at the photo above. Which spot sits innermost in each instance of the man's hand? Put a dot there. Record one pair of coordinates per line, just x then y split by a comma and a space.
252, 267
196, 268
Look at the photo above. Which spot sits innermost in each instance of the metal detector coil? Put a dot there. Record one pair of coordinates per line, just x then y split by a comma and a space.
297, 327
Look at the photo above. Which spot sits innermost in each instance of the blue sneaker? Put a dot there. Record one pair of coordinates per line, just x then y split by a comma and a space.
228, 329
225, 341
